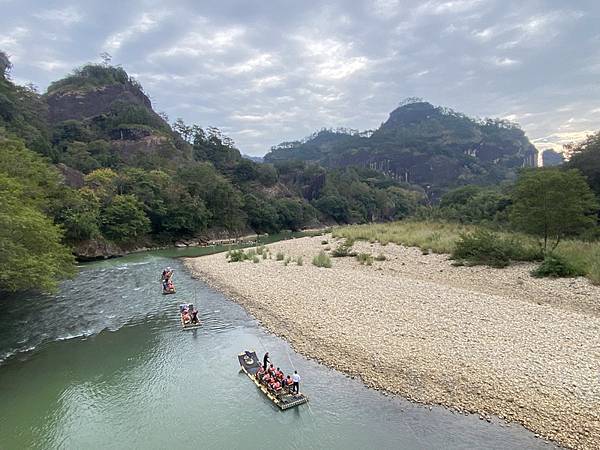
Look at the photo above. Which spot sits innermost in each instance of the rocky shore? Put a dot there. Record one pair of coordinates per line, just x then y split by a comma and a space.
482, 340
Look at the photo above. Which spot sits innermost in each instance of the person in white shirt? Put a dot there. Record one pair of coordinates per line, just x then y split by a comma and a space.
296, 380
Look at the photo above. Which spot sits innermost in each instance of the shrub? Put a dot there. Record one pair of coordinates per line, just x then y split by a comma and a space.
556, 266
322, 260
344, 249
487, 248
299, 261
364, 259
251, 253
279, 256
286, 261
255, 259
237, 256
264, 255
260, 250
380, 257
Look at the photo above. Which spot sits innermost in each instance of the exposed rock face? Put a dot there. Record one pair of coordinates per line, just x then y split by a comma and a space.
552, 158
422, 144
73, 177
84, 105
93, 249
136, 144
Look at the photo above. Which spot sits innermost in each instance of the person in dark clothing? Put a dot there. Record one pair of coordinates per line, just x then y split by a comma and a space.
266, 360
195, 316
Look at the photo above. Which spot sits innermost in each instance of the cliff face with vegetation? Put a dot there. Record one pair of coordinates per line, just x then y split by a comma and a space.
433, 147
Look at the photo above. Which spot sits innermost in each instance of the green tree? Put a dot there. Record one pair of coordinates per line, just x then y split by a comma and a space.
552, 204
31, 253
262, 214
79, 214
103, 182
124, 219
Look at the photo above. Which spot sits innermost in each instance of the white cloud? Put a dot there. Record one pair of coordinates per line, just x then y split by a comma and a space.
11, 42
505, 62
54, 66
329, 58
66, 16
145, 23
260, 61
556, 141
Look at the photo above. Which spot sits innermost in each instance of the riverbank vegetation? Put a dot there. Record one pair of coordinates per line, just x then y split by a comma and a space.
477, 244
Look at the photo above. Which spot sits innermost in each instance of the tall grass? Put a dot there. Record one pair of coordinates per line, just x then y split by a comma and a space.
322, 260
441, 237
435, 236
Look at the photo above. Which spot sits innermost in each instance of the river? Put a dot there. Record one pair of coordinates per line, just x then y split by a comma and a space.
104, 364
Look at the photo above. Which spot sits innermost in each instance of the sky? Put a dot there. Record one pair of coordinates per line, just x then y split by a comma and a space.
271, 71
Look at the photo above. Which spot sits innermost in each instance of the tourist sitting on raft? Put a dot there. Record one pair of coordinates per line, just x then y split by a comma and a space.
274, 379
167, 274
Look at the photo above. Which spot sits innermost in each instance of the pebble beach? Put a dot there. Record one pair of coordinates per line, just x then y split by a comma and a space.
494, 342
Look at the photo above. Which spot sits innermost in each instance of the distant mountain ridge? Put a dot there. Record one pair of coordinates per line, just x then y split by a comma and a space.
422, 144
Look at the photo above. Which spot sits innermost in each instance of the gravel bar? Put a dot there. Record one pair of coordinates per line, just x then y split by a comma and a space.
475, 339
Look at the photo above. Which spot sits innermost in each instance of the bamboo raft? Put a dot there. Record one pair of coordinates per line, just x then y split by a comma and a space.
168, 291
189, 325
283, 400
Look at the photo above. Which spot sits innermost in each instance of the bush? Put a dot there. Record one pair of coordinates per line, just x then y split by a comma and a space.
322, 260
556, 266
380, 257
286, 261
264, 255
279, 256
344, 249
487, 248
237, 256
299, 261
364, 259
251, 253
255, 259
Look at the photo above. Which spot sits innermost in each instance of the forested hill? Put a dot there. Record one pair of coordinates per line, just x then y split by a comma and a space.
422, 144
105, 173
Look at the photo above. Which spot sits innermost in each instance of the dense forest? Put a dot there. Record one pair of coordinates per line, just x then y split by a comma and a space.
90, 167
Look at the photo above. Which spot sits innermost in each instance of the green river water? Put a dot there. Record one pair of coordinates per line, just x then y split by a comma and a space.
104, 364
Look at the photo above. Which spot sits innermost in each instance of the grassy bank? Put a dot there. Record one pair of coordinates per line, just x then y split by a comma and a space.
442, 237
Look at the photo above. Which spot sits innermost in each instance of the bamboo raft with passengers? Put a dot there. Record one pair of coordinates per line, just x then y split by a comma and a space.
283, 398
189, 317
167, 281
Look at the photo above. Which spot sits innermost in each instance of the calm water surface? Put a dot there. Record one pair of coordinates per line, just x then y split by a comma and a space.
104, 364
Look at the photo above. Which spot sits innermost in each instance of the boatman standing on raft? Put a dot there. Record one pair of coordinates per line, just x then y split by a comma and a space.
296, 380
266, 360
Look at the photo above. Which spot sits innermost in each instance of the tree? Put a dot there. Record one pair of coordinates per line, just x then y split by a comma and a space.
552, 204
262, 214
31, 253
124, 219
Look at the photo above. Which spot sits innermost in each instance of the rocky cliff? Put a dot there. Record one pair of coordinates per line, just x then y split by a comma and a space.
434, 147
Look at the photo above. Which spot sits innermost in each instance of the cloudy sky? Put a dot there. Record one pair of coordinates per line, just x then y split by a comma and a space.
269, 71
